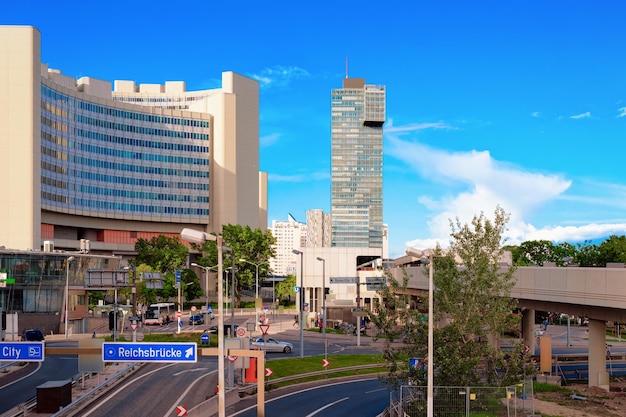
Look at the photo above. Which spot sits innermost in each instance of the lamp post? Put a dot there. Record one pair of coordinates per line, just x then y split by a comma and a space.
323, 295
256, 292
206, 286
297, 252
428, 260
67, 291
198, 237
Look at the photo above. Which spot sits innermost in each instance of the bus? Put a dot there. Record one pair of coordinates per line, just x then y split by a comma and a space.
159, 313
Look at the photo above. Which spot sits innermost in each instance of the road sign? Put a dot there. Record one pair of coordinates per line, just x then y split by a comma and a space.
181, 410
150, 352
343, 280
268, 372
193, 308
375, 283
22, 351
241, 331
417, 363
231, 358
264, 328
133, 326
204, 338
325, 362
178, 274
179, 314
296, 289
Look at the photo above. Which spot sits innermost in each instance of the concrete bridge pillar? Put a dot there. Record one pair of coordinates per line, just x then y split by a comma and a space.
528, 329
598, 376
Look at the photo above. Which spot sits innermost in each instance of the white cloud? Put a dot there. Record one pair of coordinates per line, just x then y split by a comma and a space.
279, 76
301, 177
584, 115
535, 114
269, 140
485, 183
622, 112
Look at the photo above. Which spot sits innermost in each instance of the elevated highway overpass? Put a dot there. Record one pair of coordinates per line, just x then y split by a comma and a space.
596, 293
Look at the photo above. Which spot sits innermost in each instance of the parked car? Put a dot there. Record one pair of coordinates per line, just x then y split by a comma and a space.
197, 319
272, 345
213, 329
33, 335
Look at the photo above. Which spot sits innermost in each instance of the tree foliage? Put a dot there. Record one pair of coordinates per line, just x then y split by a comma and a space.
472, 307
284, 289
585, 254
164, 254
253, 245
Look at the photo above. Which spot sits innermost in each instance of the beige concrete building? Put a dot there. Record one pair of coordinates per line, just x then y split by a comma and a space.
91, 164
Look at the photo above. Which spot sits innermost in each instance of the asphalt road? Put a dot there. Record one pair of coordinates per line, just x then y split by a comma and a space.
363, 398
53, 368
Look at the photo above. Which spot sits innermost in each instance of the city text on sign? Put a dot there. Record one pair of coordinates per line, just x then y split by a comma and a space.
22, 351
150, 352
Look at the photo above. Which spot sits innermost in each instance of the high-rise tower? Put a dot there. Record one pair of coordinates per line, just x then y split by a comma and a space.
357, 118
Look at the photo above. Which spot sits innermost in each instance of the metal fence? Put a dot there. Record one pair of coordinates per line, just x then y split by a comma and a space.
510, 401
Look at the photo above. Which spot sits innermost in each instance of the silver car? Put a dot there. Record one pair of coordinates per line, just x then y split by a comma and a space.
272, 345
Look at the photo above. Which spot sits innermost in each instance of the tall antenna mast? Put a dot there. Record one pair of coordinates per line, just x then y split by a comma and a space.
346, 66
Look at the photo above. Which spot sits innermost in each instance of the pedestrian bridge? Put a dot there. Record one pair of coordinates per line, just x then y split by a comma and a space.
596, 293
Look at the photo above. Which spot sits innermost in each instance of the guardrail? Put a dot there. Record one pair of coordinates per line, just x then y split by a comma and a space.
76, 405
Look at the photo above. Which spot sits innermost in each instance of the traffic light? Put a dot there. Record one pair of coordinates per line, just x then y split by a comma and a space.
112, 320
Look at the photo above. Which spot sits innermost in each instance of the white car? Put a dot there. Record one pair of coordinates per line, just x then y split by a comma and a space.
272, 345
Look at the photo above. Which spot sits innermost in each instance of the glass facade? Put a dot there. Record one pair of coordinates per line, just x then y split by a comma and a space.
357, 117
103, 160
34, 282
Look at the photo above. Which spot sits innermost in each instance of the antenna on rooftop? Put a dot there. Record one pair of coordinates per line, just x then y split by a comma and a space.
346, 66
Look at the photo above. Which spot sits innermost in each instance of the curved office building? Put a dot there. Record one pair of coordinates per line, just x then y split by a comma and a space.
94, 165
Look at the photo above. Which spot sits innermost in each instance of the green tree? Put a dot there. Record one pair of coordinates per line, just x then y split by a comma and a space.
162, 253
472, 306
284, 289
253, 245
588, 254
612, 250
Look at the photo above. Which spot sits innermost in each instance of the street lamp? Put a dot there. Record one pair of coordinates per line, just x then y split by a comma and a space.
297, 252
67, 291
323, 295
195, 236
429, 261
256, 292
206, 286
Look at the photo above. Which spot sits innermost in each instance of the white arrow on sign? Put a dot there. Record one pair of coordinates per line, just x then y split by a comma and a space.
325, 362
181, 410
189, 353
268, 372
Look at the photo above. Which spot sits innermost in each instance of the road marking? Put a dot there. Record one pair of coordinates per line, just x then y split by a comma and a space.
180, 398
280, 397
319, 410
39, 364
190, 370
134, 381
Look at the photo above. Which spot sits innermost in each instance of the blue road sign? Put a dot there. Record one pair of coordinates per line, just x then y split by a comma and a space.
150, 352
204, 338
178, 272
22, 351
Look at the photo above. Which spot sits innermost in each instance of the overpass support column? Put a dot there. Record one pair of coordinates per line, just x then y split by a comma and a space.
528, 329
598, 376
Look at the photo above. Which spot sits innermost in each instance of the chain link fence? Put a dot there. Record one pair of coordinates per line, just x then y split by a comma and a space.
510, 401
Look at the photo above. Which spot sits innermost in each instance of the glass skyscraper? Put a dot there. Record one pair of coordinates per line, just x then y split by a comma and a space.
357, 118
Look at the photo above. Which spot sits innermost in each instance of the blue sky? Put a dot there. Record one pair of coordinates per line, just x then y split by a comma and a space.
516, 104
